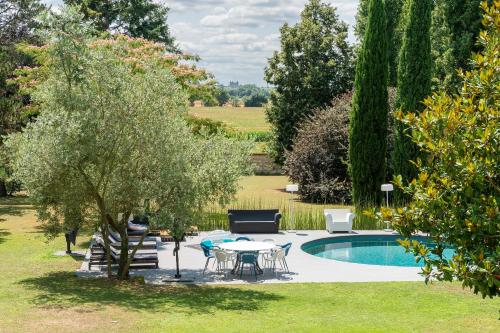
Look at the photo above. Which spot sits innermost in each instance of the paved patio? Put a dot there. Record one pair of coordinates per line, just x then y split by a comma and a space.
303, 266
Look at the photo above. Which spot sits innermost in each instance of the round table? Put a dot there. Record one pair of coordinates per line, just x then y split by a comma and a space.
251, 246
244, 246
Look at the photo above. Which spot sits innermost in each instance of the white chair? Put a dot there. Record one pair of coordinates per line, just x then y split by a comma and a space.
269, 240
267, 253
339, 220
223, 258
277, 255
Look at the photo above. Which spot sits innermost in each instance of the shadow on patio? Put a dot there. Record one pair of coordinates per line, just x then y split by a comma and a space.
64, 289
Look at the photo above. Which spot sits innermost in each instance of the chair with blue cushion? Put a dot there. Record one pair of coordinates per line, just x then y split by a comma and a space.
208, 254
248, 259
286, 247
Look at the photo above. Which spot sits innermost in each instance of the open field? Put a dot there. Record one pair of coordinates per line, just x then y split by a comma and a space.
242, 119
39, 293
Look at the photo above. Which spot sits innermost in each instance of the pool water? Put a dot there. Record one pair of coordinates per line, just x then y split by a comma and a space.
367, 249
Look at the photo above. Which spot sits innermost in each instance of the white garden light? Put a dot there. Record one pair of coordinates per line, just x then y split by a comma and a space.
387, 188
292, 188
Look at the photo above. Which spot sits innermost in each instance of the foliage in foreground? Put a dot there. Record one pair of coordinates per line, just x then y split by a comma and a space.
368, 126
110, 136
456, 194
314, 65
318, 161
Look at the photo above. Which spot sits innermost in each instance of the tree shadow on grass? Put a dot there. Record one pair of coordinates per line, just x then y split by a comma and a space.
64, 289
15, 200
12, 211
3, 234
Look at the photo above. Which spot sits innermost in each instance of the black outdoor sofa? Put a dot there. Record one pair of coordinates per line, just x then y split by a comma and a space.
264, 221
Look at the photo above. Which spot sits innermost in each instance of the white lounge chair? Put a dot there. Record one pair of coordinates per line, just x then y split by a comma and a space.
339, 220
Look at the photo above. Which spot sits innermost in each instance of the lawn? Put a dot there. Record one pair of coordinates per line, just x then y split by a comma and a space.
242, 119
39, 293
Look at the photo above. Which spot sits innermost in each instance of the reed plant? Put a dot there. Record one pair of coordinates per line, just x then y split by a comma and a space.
307, 216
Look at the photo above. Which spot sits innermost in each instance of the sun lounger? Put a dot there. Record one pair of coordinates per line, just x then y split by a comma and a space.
115, 239
143, 258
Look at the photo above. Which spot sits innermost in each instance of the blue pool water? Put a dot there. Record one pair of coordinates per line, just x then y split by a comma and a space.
366, 249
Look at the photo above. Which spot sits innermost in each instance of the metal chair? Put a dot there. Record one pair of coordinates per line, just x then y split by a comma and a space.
286, 247
208, 254
243, 238
249, 259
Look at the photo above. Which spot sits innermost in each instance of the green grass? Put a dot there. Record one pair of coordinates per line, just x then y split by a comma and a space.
241, 119
40, 293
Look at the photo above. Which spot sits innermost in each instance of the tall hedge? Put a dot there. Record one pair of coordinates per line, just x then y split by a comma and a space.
368, 127
414, 82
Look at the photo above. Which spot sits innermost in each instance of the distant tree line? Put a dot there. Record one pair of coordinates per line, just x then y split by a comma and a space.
248, 95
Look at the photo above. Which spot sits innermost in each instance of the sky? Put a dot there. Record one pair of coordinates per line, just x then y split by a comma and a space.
234, 38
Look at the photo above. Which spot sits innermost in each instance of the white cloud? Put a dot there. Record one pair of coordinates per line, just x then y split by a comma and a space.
235, 38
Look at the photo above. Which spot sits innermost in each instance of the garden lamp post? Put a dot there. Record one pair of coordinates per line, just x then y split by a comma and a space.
387, 188
292, 188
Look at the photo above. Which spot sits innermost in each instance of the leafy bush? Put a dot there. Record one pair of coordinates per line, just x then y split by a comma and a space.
318, 161
256, 136
204, 126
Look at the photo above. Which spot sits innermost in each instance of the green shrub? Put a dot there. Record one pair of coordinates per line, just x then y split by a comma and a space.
256, 136
318, 161
204, 126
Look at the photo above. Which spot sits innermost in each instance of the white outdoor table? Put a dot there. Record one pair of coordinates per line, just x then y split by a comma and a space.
244, 246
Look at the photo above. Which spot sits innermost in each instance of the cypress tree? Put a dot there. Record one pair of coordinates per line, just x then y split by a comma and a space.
414, 82
368, 126
394, 10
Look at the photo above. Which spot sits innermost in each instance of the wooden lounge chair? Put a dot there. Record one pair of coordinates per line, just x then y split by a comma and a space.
115, 240
142, 258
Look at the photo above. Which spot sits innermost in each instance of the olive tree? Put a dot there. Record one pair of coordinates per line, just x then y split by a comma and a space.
110, 136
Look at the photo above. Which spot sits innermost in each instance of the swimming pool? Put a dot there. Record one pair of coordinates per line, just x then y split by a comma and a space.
366, 249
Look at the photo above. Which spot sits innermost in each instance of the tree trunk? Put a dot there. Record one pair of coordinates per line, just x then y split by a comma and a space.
176, 254
124, 257
105, 235
134, 251
3, 189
